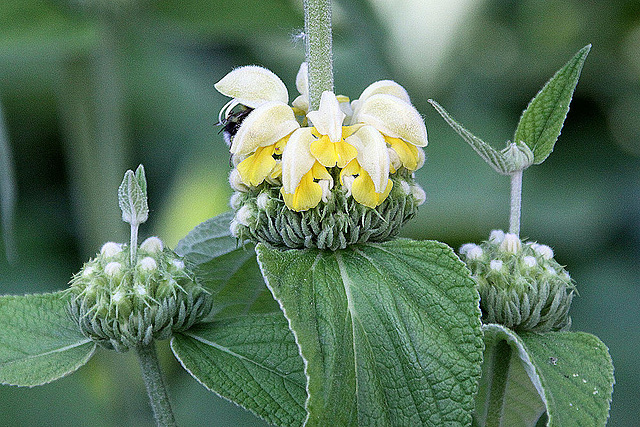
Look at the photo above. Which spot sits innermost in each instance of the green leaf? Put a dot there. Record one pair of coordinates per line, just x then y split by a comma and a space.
132, 198
39, 342
229, 271
390, 332
251, 360
494, 158
541, 122
568, 375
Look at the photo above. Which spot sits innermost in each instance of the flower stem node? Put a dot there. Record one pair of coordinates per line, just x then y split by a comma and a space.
521, 285
121, 306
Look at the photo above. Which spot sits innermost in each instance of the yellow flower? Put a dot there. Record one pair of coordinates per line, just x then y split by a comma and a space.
265, 130
385, 105
300, 169
367, 176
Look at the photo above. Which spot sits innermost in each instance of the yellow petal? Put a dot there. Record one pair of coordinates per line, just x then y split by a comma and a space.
352, 168
408, 153
306, 196
332, 153
363, 191
264, 126
252, 86
297, 159
373, 155
394, 117
328, 118
255, 168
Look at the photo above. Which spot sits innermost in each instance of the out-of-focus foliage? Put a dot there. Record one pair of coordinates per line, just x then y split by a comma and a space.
90, 88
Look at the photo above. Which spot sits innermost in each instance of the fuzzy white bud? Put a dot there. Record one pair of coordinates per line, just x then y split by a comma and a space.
140, 289
475, 253
530, 261
152, 244
496, 237
118, 296
495, 265
543, 250
464, 249
88, 271
148, 264
110, 249
235, 201
112, 269
419, 194
234, 228
262, 200
235, 181
511, 244
406, 188
244, 215
178, 264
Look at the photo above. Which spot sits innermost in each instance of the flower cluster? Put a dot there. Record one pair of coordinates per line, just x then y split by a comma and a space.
120, 306
520, 283
341, 155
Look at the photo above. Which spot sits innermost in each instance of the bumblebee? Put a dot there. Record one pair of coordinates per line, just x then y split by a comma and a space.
231, 122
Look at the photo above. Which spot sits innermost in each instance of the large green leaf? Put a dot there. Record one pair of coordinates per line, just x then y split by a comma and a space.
252, 360
390, 333
568, 375
39, 342
541, 122
228, 270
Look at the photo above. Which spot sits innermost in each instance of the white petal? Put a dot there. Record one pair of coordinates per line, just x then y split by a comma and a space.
388, 87
328, 119
373, 155
395, 118
252, 86
296, 159
264, 126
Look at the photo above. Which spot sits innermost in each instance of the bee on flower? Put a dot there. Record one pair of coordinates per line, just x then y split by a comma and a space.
339, 161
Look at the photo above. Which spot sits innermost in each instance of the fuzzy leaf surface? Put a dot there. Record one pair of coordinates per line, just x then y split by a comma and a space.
252, 360
542, 120
39, 342
228, 270
132, 198
568, 375
390, 332
494, 158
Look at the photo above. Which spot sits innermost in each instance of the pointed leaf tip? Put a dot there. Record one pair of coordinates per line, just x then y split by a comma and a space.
542, 120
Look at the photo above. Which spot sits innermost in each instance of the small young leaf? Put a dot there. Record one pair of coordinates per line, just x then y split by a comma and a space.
568, 375
541, 122
39, 342
494, 158
230, 272
252, 360
390, 332
141, 177
133, 199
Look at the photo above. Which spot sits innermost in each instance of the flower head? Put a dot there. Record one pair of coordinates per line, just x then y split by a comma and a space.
343, 152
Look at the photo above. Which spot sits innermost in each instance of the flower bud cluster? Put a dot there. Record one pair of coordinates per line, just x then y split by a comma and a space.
120, 306
520, 283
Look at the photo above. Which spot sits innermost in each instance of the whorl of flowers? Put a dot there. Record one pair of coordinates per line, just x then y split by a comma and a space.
352, 158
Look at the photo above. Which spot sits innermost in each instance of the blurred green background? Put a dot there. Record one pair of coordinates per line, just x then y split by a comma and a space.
90, 88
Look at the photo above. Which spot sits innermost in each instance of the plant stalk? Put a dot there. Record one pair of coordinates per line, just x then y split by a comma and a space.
516, 202
318, 43
133, 244
156, 385
497, 390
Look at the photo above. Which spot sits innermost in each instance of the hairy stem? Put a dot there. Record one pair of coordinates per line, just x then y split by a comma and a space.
498, 383
133, 244
317, 28
516, 202
156, 385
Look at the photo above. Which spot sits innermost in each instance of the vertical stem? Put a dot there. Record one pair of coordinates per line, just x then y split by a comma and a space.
317, 28
133, 244
516, 202
156, 385
499, 375
7, 193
